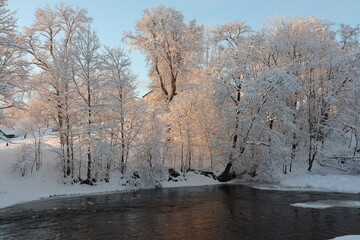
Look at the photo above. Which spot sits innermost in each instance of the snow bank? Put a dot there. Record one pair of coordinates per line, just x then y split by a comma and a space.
14, 191
43, 184
326, 183
319, 182
192, 180
348, 237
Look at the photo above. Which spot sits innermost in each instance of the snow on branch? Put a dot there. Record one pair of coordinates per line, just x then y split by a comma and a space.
12, 44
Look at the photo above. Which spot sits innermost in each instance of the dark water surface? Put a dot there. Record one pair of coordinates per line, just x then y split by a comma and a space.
212, 212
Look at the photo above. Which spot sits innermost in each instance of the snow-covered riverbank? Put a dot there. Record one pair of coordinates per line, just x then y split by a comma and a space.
15, 189
349, 237
321, 182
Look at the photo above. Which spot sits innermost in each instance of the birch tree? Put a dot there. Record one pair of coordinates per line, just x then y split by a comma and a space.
169, 45
13, 67
86, 77
122, 111
49, 41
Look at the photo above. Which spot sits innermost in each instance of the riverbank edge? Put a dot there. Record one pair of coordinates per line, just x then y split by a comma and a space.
285, 188
23, 191
115, 191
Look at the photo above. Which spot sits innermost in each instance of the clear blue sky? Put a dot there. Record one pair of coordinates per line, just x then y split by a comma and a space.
113, 17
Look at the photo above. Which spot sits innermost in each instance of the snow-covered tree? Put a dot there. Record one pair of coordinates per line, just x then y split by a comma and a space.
13, 67
232, 68
33, 124
49, 40
121, 112
308, 49
24, 161
169, 44
86, 77
253, 102
174, 52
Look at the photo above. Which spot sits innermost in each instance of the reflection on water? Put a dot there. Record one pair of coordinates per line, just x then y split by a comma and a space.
213, 212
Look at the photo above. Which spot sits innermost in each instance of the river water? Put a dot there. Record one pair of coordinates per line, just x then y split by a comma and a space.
211, 212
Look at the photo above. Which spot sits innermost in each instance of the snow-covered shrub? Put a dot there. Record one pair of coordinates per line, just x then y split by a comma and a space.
147, 165
144, 172
25, 159
263, 163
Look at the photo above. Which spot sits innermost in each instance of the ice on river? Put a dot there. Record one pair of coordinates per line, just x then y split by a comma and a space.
322, 204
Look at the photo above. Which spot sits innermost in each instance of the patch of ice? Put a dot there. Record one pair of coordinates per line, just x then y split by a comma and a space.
322, 204
277, 187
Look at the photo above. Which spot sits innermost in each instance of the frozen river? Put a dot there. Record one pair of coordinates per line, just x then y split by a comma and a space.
212, 212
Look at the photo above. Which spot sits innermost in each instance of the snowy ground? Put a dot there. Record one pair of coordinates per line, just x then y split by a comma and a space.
315, 182
16, 189
328, 183
320, 179
349, 237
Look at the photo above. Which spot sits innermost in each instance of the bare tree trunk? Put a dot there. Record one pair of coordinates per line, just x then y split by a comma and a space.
271, 125
182, 158
122, 129
211, 156
312, 152
226, 175
72, 154
294, 143
189, 158
68, 152
80, 162
313, 128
